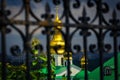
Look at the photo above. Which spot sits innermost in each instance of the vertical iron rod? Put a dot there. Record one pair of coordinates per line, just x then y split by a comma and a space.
26, 3
115, 56
100, 39
3, 53
3, 41
47, 28
85, 52
67, 44
48, 55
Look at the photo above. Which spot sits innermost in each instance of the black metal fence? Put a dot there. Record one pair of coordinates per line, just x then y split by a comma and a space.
99, 25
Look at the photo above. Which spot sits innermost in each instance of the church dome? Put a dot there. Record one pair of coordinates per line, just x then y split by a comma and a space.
57, 42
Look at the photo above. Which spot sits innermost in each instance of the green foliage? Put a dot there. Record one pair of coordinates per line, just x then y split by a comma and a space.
36, 72
14, 72
38, 68
41, 73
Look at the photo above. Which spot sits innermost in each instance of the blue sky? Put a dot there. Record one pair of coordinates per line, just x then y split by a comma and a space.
38, 8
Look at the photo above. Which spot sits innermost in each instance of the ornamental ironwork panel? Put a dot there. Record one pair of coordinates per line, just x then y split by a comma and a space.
89, 27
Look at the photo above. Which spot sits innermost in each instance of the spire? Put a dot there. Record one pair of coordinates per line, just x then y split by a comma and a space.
57, 16
57, 20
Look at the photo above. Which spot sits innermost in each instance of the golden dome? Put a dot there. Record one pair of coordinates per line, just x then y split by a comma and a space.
57, 39
66, 56
83, 62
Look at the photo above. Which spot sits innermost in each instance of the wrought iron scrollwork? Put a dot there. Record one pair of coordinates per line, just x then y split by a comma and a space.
90, 3
56, 2
105, 8
83, 26
76, 4
15, 50
101, 8
107, 48
93, 48
77, 48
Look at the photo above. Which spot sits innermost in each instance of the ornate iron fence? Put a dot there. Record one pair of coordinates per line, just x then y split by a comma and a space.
86, 26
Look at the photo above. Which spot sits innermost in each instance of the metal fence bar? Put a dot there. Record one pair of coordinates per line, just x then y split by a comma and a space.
67, 43
27, 49
48, 55
115, 55
3, 41
85, 52
100, 39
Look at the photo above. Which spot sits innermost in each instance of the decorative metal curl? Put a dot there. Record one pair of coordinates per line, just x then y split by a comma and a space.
105, 7
107, 48
90, 3
77, 49
15, 50
5, 13
93, 48
56, 2
76, 4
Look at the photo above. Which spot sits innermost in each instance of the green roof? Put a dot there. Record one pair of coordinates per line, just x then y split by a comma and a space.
59, 69
80, 75
76, 67
62, 77
95, 75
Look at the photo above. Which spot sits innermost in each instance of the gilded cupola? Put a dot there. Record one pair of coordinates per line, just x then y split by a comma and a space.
57, 38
